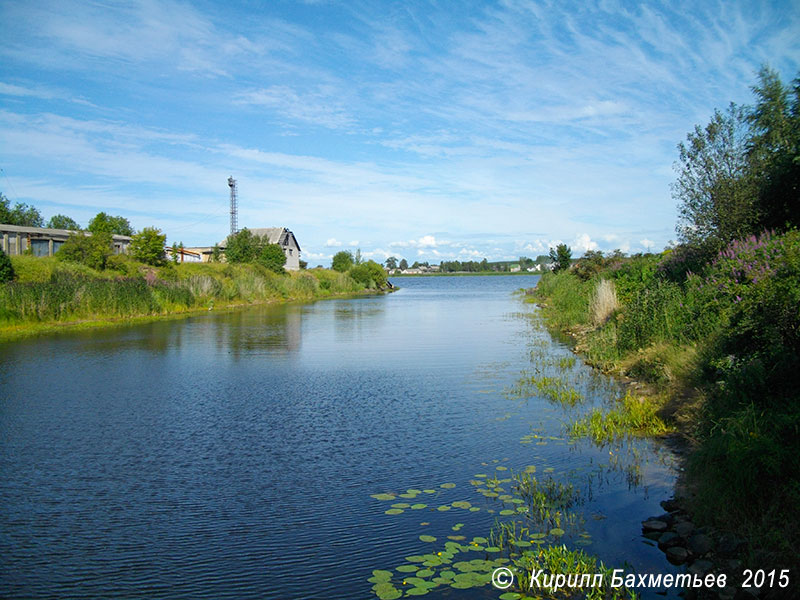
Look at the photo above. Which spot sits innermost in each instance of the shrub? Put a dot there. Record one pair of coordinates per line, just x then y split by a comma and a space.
6, 268
147, 246
369, 274
90, 250
242, 247
342, 261
272, 257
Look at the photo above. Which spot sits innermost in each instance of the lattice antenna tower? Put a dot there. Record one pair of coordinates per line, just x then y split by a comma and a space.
234, 206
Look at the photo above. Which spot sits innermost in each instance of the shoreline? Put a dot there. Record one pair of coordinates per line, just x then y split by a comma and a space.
704, 549
16, 332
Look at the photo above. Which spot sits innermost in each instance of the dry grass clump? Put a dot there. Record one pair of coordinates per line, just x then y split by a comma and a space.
604, 301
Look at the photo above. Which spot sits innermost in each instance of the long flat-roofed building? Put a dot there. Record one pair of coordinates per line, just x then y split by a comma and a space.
42, 241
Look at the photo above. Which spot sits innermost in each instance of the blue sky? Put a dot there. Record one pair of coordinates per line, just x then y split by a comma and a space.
425, 130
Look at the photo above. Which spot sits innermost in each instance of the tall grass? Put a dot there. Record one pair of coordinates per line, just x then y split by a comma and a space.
47, 290
604, 301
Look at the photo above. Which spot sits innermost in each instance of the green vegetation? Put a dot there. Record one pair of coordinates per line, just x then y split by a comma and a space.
147, 246
561, 257
713, 323
343, 261
55, 291
92, 250
63, 222
103, 223
244, 247
6, 268
21, 215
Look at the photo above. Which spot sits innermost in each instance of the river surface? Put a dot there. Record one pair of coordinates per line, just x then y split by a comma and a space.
236, 455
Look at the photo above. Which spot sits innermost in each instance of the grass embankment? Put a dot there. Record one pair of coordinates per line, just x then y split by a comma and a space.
720, 351
48, 294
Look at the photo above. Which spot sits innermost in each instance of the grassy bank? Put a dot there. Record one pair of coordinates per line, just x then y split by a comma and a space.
49, 295
717, 342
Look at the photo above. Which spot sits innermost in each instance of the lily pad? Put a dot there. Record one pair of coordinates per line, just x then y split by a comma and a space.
416, 591
448, 486
383, 496
443, 507
557, 531
382, 575
418, 506
507, 512
415, 558
456, 538
393, 511
407, 568
428, 491
413, 491
427, 538
424, 573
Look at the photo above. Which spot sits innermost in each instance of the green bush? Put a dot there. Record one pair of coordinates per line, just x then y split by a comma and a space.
369, 274
343, 261
147, 246
272, 257
91, 250
6, 268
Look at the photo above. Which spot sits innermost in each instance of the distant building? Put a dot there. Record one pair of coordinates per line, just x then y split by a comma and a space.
41, 241
274, 235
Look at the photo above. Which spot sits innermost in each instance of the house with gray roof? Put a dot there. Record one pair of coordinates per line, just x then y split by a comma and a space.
281, 236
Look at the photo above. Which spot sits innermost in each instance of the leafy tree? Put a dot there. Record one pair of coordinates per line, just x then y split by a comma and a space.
342, 261
147, 246
403, 264
561, 256
109, 224
21, 215
175, 253
391, 263
775, 150
243, 247
369, 274
272, 257
6, 268
216, 254
714, 189
91, 250
357, 260
303, 264
63, 222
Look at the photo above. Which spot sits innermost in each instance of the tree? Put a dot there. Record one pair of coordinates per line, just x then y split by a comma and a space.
342, 261
774, 150
6, 268
403, 264
109, 224
272, 257
216, 254
175, 253
391, 263
303, 264
561, 257
243, 247
91, 250
714, 188
21, 215
357, 260
147, 246
63, 222
369, 274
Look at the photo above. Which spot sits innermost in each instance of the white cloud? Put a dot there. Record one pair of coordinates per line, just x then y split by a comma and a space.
647, 244
333, 243
353, 243
582, 243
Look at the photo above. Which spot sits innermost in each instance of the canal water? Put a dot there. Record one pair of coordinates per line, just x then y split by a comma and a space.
255, 454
